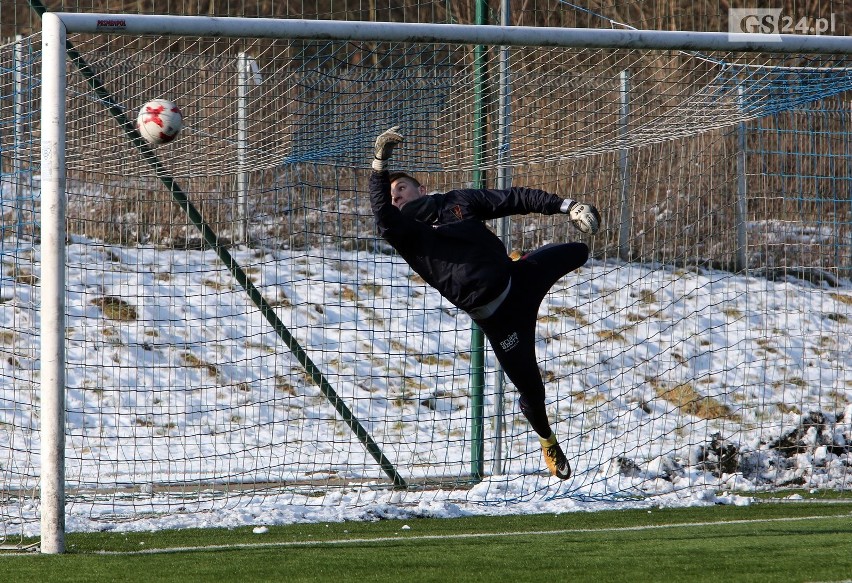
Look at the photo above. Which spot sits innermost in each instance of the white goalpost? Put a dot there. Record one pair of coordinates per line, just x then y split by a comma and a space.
53, 289
353, 383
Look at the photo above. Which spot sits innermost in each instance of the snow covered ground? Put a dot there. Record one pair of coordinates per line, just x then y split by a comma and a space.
667, 387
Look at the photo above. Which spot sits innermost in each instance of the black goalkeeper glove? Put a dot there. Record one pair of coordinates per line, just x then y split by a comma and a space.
385, 144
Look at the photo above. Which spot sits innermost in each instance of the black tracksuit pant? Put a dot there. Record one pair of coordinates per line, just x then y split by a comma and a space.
511, 329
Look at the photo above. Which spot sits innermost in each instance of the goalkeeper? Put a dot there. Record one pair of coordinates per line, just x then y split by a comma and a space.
444, 239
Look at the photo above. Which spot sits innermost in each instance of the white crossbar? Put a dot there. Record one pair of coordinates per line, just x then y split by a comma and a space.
210, 26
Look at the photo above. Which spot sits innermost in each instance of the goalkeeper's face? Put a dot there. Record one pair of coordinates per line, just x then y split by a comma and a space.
404, 190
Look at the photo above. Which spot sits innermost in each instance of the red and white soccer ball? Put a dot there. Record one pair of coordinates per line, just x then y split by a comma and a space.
159, 121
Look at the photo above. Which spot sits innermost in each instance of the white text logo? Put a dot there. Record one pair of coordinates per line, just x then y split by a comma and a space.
510, 342
743, 22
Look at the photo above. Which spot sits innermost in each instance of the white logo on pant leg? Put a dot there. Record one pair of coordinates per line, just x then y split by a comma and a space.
510, 342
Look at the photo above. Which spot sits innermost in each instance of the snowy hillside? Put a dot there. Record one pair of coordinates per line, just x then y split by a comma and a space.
664, 383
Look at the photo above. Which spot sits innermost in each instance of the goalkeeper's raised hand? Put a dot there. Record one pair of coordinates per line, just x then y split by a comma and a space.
584, 217
385, 144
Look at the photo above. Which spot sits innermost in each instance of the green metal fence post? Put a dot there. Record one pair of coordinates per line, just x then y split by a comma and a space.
477, 341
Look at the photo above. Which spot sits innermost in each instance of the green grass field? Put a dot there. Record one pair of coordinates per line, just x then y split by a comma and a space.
762, 542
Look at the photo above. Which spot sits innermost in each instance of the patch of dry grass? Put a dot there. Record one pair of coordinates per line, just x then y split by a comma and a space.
114, 308
347, 294
647, 296
217, 285
432, 359
732, 313
193, 361
842, 298
570, 312
689, 401
21, 274
610, 335
283, 384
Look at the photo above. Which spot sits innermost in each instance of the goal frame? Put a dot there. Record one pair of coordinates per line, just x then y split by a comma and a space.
55, 28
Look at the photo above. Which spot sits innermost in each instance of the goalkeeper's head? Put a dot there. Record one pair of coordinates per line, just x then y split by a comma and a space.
404, 189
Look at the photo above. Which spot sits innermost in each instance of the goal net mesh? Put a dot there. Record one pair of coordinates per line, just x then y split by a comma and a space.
670, 371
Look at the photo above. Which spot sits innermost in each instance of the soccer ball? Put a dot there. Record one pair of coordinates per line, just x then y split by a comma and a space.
159, 121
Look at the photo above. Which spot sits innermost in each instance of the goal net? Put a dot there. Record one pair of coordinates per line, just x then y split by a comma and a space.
315, 376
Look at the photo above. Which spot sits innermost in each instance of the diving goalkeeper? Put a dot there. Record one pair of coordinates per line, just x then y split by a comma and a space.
444, 239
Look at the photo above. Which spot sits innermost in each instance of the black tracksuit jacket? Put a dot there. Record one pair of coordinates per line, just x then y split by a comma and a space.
458, 255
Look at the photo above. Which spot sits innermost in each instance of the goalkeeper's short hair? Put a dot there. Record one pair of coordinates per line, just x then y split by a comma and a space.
394, 176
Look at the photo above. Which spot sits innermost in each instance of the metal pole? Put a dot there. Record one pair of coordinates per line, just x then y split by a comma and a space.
477, 339
741, 262
17, 165
504, 181
473, 34
625, 221
242, 147
52, 356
